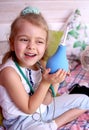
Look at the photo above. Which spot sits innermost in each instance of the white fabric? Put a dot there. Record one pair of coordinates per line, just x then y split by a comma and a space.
9, 108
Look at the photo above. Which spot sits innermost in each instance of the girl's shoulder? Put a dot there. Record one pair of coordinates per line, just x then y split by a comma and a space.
12, 66
8, 63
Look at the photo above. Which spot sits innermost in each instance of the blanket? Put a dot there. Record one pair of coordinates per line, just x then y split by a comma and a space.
80, 76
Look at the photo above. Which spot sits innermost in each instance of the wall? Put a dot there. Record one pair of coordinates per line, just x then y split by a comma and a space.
56, 13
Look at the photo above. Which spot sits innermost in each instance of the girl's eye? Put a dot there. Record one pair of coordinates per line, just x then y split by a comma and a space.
40, 42
23, 40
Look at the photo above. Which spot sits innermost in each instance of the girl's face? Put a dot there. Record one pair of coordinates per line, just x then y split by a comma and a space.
29, 44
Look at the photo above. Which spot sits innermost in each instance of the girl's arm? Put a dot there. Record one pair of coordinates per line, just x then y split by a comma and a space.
14, 87
13, 84
56, 79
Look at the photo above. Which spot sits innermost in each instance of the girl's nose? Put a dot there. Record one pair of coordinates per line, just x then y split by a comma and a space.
31, 45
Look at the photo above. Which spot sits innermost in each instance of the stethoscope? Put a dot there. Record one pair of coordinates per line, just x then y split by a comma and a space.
26, 79
37, 116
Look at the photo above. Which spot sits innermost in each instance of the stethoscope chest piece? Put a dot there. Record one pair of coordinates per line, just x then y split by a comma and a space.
36, 116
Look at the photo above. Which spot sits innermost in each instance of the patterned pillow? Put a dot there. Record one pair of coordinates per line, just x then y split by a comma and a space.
78, 35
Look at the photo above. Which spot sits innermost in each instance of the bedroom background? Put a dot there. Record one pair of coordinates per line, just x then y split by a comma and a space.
56, 13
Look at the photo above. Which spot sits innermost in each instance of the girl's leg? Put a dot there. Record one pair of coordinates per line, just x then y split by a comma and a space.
67, 108
68, 116
64, 103
56, 116
28, 123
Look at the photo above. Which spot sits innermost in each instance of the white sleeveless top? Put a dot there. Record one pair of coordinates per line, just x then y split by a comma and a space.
9, 109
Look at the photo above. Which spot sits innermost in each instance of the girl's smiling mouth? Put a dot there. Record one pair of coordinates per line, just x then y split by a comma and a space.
30, 54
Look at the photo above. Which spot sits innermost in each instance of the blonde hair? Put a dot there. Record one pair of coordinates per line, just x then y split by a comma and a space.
35, 19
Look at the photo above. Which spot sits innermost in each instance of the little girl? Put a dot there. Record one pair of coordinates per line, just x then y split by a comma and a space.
26, 99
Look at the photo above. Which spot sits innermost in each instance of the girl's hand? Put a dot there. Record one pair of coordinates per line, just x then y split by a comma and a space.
56, 77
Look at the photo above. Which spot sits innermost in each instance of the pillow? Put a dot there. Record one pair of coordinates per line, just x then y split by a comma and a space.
54, 40
78, 36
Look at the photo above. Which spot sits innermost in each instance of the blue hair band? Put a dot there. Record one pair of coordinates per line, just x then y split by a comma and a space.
28, 10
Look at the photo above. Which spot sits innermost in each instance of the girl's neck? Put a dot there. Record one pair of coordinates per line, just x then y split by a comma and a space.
34, 67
